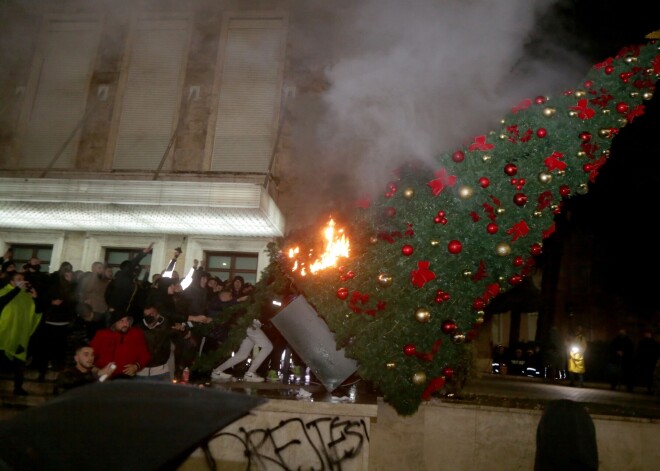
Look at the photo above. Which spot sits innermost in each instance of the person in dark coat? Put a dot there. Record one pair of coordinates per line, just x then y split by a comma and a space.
122, 292
566, 439
622, 361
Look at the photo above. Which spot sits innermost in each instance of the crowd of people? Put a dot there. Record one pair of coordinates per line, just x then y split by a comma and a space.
99, 324
627, 364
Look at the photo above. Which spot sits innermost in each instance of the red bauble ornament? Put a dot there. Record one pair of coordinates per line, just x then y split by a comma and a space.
407, 250
447, 372
518, 261
492, 228
350, 274
541, 132
455, 247
565, 191
409, 350
448, 327
484, 182
536, 249
609, 69
479, 305
539, 100
588, 167
458, 156
622, 107
588, 84
390, 211
342, 293
437, 219
585, 136
515, 280
520, 199
510, 169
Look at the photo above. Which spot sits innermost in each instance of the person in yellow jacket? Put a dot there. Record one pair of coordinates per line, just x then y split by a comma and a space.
577, 347
18, 321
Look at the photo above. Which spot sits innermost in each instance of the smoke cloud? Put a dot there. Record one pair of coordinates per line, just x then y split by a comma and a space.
391, 81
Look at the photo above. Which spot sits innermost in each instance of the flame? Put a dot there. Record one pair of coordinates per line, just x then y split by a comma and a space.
337, 246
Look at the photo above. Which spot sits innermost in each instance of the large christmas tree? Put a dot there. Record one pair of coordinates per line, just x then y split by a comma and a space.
429, 254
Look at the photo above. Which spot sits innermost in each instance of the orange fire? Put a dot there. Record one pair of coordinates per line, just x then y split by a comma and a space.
337, 246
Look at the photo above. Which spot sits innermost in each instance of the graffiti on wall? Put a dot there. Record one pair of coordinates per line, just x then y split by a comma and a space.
326, 443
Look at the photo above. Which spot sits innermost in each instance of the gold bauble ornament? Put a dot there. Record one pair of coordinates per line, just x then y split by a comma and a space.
479, 320
485, 158
537, 213
503, 249
502, 121
373, 239
554, 207
630, 59
408, 193
634, 94
419, 378
458, 337
605, 132
467, 273
390, 365
422, 315
622, 122
572, 113
580, 93
606, 111
561, 173
435, 243
647, 95
549, 112
500, 210
481, 313
605, 153
545, 177
503, 137
385, 280
582, 189
465, 192
581, 154
501, 279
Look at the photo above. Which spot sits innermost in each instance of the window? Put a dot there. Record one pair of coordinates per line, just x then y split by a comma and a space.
23, 254
61, 84
114, 257
152, 92
248, 95
226, 265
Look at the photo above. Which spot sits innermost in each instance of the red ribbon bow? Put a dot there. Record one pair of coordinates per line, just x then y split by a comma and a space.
422, 275
583, 110
441, 181
518, 230
480, 144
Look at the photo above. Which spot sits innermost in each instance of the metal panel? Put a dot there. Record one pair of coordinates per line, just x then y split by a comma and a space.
312, 340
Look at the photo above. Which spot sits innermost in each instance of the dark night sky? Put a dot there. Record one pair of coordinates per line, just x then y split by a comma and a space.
619, 211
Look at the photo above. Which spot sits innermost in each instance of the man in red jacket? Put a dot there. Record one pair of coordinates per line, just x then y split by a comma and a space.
122, 344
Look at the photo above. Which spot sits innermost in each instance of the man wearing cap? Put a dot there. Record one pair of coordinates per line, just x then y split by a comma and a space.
122, 344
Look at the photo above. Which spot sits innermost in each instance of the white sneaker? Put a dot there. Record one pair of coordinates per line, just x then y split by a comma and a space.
252, 378
220, 376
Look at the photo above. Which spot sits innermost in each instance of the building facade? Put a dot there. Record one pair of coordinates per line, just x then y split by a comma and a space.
126, 123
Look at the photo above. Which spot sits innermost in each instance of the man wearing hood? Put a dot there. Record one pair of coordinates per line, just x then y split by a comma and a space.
122, 344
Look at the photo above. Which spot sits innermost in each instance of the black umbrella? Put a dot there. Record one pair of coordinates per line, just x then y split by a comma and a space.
119, 425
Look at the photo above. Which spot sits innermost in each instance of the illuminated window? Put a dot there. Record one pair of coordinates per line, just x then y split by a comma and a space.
115, 256
226, 265
23, 253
